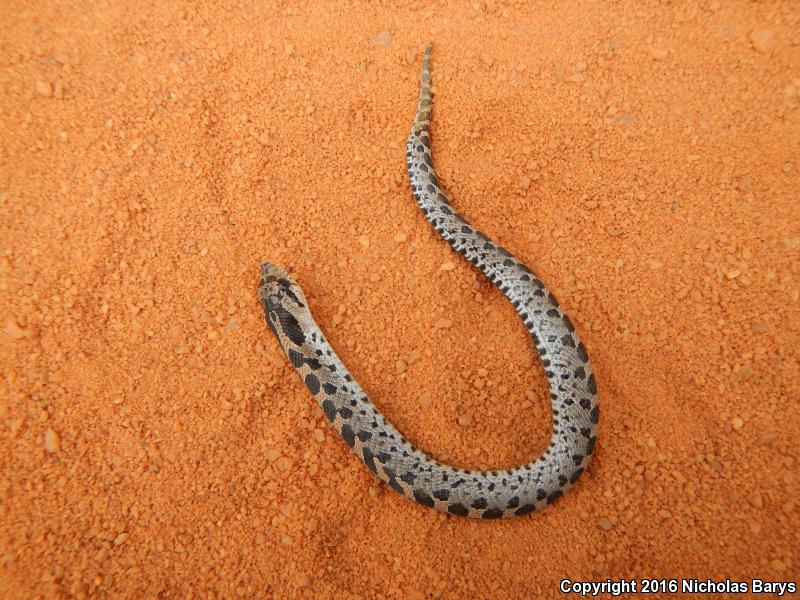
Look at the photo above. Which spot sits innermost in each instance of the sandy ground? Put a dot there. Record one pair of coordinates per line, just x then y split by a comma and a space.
154, 441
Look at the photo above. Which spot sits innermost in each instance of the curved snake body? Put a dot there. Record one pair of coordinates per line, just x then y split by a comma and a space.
477, 494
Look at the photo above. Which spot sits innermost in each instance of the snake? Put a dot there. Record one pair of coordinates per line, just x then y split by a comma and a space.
489, 494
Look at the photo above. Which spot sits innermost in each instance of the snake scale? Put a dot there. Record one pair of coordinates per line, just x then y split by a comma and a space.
385, 451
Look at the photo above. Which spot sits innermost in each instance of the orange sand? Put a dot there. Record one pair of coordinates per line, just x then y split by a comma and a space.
155, 443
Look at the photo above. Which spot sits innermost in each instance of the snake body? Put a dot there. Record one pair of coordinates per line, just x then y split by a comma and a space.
382, 448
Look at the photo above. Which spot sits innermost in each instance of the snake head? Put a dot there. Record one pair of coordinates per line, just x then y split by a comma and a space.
277, 290
284, 305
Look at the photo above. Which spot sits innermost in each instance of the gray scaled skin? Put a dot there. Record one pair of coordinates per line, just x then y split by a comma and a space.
477, 494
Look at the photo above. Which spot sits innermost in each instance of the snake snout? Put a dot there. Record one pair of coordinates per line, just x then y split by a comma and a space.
271, 271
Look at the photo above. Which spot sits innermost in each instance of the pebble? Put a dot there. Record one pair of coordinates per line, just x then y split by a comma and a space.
425, 400
374, 277
120, 539
44, 89
605, 523
737, 423
465, 420
400, 238
364, 241
273, 454
626, 119
525, 182
746, 371
447, 266
383, 38
762, 39
412, 357
767, 438
14, 331
442, 324
52, 443
654, 264
319, 435
400, 366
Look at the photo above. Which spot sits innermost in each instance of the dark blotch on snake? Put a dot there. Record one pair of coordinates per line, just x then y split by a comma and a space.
369, 459
290, 326
348, 435
575, 475
458, 509
525, 509
395, 485
442, 494
408, 477
329, 409
296, 358
492, 513
312, 383
423, 498
591, 385
480, 503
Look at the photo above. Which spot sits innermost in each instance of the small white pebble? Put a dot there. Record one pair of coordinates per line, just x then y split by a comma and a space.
44, 89
52, 443
762, 39
383, 38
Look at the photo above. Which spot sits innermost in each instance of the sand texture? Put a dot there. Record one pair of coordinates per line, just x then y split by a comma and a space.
642, 158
